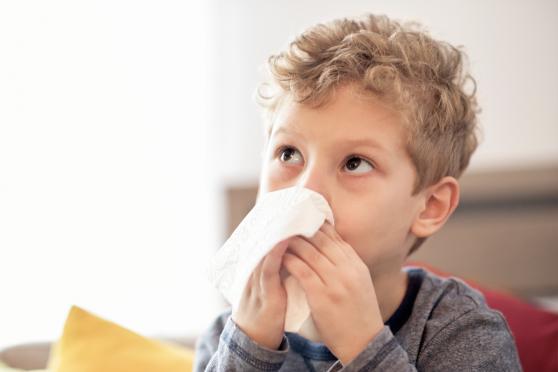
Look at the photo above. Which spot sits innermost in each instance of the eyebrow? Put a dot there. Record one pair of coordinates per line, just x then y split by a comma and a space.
366, 142
286, 131
352, 142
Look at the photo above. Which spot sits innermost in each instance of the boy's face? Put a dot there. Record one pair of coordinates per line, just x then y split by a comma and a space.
352, 152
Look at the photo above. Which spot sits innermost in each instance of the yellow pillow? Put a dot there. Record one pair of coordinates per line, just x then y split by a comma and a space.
5, 368
92, 344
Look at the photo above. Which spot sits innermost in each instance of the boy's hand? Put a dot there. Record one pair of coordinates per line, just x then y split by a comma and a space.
339, 291
261, 312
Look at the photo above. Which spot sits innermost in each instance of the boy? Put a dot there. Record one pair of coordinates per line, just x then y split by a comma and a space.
374, 116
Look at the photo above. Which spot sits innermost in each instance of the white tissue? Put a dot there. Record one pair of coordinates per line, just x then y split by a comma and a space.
278, 215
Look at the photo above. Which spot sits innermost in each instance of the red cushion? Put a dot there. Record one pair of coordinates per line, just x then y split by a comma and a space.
535, 330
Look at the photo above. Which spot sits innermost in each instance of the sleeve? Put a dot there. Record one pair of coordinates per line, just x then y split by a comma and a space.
383, 353
232, 350
475, 341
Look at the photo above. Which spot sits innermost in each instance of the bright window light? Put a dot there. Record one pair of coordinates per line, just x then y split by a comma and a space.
107, 187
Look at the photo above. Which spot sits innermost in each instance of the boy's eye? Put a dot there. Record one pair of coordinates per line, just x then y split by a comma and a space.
289, 154
358, 165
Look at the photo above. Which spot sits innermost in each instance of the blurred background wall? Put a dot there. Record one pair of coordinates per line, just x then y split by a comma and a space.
513, 55
125, 124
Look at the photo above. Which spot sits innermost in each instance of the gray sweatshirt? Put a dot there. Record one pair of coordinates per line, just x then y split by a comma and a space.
441, 325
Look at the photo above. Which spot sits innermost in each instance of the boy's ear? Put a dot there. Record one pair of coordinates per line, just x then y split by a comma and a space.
439, 202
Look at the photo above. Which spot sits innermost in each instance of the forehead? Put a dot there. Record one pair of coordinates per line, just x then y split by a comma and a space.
348, 117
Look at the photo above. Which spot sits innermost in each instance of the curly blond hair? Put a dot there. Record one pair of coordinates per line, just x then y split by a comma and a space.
422, 78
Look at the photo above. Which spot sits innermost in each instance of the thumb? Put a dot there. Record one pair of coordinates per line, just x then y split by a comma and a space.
272, 261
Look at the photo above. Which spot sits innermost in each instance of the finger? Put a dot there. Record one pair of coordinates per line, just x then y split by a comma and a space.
342, 246
271, 265
313, 257
254, 281
251, 285
327, 246
307, 278
330, 231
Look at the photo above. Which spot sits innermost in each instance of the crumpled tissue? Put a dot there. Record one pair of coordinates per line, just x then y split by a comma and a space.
277, 216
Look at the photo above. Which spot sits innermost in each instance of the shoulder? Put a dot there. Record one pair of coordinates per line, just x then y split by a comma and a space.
449, 297
442, 301
452, 315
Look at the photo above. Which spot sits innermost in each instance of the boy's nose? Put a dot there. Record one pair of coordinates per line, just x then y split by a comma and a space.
315, 179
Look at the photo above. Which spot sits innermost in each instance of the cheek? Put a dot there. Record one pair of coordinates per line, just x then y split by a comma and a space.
274, 177
366, 229
356, 225
267, 182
